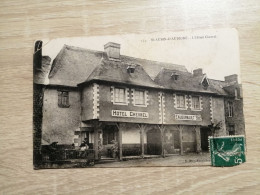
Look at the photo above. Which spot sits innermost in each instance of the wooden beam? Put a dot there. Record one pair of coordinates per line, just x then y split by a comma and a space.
142, 130
96, 138
198, 139
162, 128
120, 129
180, 130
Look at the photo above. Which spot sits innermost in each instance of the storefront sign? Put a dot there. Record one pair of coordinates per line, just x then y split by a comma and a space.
188, 117
130, 114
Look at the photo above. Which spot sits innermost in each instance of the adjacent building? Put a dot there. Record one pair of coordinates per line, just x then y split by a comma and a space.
143, 106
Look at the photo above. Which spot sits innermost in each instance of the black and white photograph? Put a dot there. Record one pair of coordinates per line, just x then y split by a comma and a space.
135, 100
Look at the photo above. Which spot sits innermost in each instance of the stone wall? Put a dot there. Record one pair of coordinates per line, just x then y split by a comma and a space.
59, 124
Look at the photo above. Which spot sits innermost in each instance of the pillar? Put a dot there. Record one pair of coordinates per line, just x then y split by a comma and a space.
198, 139
162, 128
142, 140
180, 130
120, 149
96, 138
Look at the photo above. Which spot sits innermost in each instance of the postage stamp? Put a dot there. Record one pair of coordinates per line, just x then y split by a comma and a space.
137, 100
227, 150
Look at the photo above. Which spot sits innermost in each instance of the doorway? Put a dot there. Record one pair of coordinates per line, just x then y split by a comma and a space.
205, 132
109, 141
154, 142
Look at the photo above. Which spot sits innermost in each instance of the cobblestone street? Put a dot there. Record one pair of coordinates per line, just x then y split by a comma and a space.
185, 160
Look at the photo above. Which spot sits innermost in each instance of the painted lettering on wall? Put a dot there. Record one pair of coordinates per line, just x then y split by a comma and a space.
188, 117
130, 114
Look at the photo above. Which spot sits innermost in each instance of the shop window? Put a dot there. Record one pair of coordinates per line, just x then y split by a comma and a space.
63, 99
231, 129
230, 109
195, 103
180, 100
120, 95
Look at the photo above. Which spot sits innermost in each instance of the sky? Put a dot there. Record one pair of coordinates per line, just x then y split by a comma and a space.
216, 51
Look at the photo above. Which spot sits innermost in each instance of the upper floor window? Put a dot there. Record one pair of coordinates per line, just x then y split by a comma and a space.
195, 103
230, 109
120, 95
139, 97
63, 99
231, 129
180, 101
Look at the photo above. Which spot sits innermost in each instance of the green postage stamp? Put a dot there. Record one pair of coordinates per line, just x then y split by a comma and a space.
227, 151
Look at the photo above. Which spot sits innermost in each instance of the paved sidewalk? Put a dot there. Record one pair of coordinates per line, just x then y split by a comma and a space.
178, 160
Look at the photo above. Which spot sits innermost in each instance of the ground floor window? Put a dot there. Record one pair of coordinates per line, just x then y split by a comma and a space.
109, 135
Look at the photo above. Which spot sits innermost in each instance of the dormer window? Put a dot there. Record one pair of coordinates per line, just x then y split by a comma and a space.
175, 76
205, 82
131, 68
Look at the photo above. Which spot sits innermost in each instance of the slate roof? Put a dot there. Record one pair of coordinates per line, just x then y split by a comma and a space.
187, 82
116, 71
73, 65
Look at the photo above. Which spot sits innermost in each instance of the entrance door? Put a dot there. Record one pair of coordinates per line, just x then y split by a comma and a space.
205, 133
154, 142
110, 140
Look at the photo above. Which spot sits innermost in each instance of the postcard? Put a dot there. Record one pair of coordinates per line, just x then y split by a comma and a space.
136, 99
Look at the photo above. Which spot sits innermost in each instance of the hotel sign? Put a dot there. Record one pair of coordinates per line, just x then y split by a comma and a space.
188, 117
129, 114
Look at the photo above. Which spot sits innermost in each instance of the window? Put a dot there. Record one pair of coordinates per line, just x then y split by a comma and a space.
205, 83
195, 103
236, 94
63, 99
109, 135
175, 76
180, 101
120, 95
231, 129
139, 97
230, 109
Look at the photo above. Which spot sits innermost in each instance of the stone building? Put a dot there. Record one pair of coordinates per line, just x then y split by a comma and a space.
145, 107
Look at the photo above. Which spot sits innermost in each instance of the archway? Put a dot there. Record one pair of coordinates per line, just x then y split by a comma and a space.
154, 142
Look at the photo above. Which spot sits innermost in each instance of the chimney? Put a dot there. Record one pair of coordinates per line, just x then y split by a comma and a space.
112, 50
197, 72
42, 73
231, 78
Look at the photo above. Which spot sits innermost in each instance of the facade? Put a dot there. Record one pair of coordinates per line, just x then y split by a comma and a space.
107, 98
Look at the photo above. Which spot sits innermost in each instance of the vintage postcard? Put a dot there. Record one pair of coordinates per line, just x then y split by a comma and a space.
136, 100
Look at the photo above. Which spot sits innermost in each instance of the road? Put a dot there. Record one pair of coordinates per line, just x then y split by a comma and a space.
178, 160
